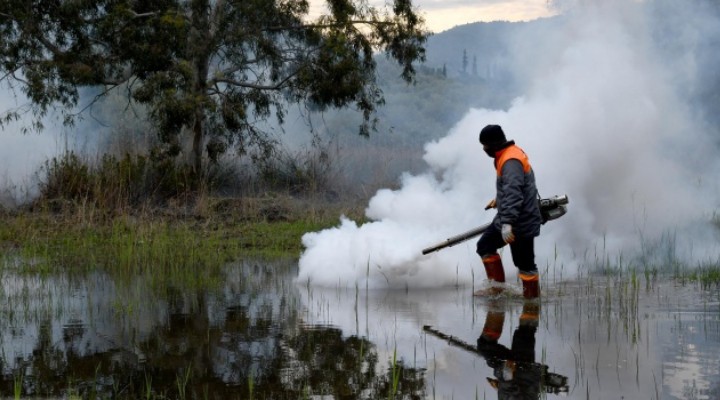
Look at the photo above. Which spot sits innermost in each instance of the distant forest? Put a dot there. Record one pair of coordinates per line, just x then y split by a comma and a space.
477, 65
481, 65
466, 67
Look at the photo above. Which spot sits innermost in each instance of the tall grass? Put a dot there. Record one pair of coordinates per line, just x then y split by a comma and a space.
181, 382
129, 242
120, 183
172, 246
394, 376
110, 183
662, 256
17, 385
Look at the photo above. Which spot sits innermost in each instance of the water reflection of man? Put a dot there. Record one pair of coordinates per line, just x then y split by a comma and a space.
516, 374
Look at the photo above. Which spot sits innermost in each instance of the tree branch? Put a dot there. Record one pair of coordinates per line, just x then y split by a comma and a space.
335, 25
95, 99
234, 82
248, 85
143, 15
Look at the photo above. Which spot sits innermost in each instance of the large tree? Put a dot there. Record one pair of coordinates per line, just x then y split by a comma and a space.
206, 69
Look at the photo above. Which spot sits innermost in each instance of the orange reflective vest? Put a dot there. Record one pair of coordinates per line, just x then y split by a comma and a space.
509, 153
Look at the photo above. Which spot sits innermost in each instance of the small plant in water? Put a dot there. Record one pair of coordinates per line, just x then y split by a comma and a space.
395, 371
17, 385
148, 386
182, 380
251, 386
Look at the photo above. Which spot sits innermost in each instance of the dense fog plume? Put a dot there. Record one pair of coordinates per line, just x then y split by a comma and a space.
21, 155
603, 121
24, 156
101, 129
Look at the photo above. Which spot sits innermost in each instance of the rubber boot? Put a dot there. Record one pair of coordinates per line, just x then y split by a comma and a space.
487, 343
493, 327
494, 268
530, 314
531, 285
495, 273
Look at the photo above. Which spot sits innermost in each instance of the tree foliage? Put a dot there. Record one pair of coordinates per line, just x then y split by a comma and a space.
209, 70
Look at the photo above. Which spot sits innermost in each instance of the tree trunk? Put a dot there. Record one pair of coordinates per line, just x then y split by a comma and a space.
198, 136
200, 51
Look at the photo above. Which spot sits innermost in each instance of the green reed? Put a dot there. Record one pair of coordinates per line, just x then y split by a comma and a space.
166, 249
181, 381
17, 385
148, 390
395, 376
662, 256
251, 386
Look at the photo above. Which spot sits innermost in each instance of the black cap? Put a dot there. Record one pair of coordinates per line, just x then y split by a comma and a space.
492, 135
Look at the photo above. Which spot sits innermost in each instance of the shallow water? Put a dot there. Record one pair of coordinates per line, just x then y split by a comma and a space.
260, 336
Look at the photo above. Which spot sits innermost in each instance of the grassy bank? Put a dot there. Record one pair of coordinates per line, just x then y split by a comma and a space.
206, 234
189, 241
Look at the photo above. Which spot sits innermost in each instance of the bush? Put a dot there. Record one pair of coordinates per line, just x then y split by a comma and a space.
111, 182
299, 173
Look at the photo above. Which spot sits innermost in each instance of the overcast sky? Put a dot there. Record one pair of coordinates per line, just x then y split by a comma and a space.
441, 15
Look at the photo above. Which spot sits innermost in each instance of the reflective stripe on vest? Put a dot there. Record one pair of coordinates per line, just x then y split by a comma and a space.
510, 153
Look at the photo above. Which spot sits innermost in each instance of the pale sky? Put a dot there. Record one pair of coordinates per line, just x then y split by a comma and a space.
441, 15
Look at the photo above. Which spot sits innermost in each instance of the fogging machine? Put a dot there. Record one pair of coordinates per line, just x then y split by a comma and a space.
550, 208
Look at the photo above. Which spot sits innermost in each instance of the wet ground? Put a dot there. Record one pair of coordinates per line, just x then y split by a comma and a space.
261, 336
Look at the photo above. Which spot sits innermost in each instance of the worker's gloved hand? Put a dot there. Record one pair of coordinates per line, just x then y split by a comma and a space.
490, 205
507, 233
508, 370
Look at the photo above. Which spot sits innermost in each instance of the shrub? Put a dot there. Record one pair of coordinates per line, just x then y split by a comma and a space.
111, 182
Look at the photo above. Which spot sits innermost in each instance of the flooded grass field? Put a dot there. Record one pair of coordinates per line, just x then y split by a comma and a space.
259, 335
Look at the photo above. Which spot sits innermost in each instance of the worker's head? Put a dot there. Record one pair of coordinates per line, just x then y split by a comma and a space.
493, 139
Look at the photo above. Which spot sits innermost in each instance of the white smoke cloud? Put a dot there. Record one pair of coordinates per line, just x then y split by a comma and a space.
602, 121
21, 154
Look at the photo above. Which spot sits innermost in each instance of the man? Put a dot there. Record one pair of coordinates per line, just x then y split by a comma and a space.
518, 218
516, 375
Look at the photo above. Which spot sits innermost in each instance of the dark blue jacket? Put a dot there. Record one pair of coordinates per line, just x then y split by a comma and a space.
517, 195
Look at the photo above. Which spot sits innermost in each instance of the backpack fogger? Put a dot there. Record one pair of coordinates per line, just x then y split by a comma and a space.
550, 208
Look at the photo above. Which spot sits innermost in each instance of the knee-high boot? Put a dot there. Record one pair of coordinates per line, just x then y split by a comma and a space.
495, 273
531, 284
494, 268
493, 327
530, 314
